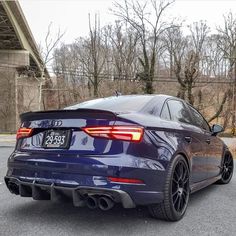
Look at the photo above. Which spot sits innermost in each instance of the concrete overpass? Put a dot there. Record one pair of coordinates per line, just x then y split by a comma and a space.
16, 36
20, 65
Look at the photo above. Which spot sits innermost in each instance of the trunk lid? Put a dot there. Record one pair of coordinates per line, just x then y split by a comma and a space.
67, 123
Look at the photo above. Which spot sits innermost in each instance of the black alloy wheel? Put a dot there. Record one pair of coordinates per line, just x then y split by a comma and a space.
176, 192
227, 169
180, 186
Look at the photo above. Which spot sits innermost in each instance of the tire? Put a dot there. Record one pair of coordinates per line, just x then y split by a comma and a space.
176, 192
227, 169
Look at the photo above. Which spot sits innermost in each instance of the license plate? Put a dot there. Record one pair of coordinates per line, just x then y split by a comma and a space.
56, 139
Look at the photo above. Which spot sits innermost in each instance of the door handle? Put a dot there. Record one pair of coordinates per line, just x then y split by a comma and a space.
208, 141
188, 139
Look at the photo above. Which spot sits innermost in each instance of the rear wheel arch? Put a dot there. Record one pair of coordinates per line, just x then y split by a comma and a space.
226, 151
187, 159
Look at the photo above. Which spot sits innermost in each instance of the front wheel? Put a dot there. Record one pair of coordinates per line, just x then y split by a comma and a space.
227, 169
176, 192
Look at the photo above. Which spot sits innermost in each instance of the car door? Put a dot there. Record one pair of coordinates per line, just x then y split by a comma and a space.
213, 145
214, 155
192, 139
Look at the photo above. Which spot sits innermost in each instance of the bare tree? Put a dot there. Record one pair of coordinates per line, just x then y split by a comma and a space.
213, 62
220, 108
123, 52
188, 55
7, 113
92, 54
227, 43
67, 67
176, 45
46, 52
148, 27
186, 52
192, 71
133, 48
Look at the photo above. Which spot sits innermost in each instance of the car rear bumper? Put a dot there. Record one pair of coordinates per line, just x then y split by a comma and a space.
36, 172
45, 190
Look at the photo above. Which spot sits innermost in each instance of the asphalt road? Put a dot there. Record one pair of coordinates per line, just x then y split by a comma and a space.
211, 211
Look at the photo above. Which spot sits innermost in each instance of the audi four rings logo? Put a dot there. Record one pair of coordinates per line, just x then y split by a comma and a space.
56, 123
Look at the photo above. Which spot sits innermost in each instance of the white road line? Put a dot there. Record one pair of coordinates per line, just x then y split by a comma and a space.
1, 183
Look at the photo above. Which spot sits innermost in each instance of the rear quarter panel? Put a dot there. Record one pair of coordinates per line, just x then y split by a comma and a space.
165, 139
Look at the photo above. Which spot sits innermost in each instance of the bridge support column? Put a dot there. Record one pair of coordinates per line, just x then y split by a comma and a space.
10, 62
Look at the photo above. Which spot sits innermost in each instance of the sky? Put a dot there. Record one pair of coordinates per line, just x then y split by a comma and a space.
72, 15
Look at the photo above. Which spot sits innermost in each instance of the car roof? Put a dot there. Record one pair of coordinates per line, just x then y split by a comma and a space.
122, 104
145, 95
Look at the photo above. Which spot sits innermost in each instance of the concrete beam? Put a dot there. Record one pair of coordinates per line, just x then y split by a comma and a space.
14, 58
20, 34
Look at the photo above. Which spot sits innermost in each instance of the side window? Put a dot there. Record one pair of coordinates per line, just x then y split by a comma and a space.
165, 113
198, 119
179, 112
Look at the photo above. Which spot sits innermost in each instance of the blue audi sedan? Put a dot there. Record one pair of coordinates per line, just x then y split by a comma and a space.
151, 150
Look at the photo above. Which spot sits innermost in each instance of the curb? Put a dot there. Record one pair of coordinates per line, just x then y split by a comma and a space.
6, 146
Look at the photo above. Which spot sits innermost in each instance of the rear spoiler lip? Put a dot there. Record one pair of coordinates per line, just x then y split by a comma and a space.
73, 114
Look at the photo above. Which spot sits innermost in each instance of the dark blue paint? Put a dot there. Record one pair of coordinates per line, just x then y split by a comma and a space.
89, 161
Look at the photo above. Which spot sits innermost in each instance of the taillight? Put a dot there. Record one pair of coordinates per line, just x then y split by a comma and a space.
126, 133
125, 180
23, 133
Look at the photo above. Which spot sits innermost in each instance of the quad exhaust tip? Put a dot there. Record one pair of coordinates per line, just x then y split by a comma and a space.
92, 202
105, 203
14, 188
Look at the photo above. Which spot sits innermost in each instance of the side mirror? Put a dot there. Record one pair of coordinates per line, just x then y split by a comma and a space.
216, 129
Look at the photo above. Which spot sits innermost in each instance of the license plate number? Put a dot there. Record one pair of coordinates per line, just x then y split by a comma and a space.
56, 139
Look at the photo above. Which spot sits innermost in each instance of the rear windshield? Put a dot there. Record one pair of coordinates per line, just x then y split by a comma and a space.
115, 104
